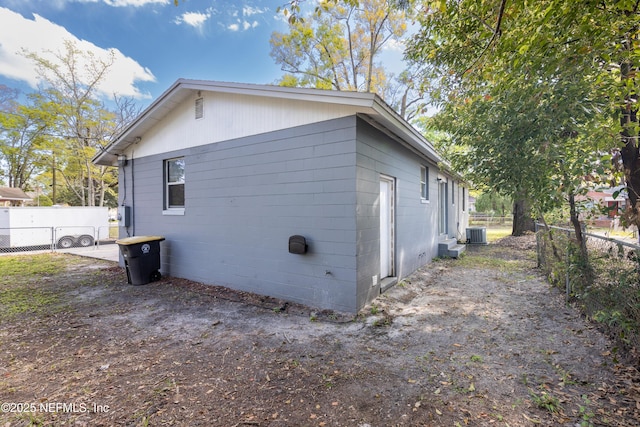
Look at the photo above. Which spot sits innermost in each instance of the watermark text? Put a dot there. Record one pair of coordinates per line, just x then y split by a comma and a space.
53, 407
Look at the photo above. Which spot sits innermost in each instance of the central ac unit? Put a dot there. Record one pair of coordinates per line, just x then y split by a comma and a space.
477, 236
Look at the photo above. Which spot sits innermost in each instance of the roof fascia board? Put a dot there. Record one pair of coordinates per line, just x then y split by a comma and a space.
420, 143
359, 99
128, 135
414, 137
105, 156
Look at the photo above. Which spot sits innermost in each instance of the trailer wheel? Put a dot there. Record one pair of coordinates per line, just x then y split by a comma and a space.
66, 242
85, 241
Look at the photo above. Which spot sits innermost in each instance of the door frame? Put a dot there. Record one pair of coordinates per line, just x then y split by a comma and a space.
443, 205
387, 214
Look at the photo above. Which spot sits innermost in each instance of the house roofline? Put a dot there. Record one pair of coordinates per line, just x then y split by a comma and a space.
370, 103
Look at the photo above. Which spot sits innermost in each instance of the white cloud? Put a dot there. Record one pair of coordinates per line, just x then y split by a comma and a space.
249, 11
247, 25
46, 38
244, 25
60, 4
394, 45
193, 19
135, 3
117, 3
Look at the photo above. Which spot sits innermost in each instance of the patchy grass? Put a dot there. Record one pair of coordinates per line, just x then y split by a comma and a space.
496, 232
24, 300
30, 267
24, 285
488, 257
190, 354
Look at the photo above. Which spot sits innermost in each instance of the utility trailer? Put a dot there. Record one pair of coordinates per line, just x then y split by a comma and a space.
55, 227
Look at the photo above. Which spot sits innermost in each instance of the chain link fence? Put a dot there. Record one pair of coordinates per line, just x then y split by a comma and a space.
603, 280
489, 219
21, 239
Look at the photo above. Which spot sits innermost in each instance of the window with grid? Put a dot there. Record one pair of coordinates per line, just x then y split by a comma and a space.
174, 183
424, 183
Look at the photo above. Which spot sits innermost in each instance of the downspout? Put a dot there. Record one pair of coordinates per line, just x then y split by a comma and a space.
123, 203
133, 196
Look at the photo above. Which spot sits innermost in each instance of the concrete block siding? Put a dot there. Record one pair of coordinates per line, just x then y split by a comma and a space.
415, 221
245, 197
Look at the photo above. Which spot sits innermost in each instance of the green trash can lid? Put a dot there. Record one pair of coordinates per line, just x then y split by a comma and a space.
138, 239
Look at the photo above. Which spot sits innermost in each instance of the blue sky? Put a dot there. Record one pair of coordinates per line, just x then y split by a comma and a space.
154, 41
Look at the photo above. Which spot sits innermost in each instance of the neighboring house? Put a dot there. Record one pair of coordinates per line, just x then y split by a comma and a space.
10, 196
228, 173
605, 209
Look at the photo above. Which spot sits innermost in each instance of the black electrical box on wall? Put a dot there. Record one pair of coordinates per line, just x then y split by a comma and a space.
297, 245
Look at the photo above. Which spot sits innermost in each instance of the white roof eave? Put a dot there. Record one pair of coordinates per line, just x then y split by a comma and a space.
367, 103
403, 130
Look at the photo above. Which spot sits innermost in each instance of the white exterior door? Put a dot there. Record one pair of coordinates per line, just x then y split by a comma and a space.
443, 211
387, 207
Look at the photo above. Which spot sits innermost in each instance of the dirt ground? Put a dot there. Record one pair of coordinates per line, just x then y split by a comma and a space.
479, 341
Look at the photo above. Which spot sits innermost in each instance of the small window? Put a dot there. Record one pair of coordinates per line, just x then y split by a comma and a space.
174, 183
464, 199
424, 183
453, 193
199, 108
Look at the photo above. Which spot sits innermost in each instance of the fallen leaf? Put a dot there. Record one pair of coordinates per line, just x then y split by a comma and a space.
438, 412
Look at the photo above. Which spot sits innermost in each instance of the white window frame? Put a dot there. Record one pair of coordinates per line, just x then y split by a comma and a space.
176, 209
424, 184
453, 192
464, 200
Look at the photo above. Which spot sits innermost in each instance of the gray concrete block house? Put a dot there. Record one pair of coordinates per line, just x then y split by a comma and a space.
323, 198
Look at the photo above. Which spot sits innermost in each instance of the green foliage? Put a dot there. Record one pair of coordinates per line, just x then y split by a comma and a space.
43, 200
57, 134
526, 92
24, 138
493, 202
544, 400
605, 288
338, 48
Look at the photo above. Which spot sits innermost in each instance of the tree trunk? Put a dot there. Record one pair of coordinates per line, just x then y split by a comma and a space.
629, 140
554, 248
577, 228
522, 220
54, 195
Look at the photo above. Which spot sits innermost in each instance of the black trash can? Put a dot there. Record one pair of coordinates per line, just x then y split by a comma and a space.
141, 258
